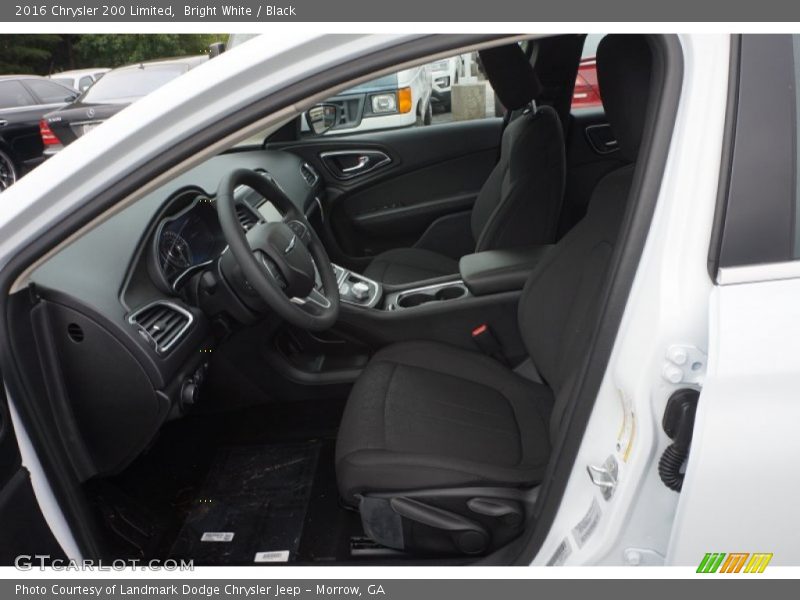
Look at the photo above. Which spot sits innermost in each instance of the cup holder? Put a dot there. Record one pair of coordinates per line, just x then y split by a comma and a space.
450, 293
414, 300
417, 297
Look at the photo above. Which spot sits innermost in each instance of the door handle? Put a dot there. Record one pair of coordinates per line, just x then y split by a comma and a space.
362, 163
3, 122
340, 162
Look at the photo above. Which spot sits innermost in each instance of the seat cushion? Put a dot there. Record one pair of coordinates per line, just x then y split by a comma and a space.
426, 415
406, 265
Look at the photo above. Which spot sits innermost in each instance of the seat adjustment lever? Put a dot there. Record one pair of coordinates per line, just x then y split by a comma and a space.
467, 535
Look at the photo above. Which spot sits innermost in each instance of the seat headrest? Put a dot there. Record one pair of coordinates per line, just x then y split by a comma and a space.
511, 75
624, 65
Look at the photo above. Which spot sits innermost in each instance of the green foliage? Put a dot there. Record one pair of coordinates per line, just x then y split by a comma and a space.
109, 50
45, 54
27, 53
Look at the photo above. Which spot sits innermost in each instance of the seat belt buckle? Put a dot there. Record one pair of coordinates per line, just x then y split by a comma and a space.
487, 342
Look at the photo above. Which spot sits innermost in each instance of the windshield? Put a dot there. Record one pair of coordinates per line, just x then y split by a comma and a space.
132, 83
63, 81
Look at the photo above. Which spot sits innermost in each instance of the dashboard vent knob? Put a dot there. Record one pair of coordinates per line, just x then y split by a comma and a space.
162, 323
309, 174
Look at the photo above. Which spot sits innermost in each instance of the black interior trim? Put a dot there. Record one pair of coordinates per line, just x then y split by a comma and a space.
65, 486
726, 164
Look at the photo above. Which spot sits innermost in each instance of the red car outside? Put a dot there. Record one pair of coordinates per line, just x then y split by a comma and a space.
587, 90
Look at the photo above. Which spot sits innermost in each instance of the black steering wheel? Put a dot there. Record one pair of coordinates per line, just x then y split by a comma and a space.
283, 262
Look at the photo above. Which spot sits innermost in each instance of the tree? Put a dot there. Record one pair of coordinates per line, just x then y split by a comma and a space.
46, 54
109, 50
27, 53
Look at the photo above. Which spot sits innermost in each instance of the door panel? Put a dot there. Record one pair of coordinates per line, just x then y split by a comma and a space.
429, 184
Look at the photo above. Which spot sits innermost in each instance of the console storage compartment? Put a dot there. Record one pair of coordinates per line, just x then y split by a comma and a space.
495, 271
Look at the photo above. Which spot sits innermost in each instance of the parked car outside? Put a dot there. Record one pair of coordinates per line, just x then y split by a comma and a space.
400, 99
80, 79
24, 99
587, 91
117, 89
444, 73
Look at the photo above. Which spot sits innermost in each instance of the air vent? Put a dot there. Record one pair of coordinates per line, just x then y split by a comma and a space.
162, 324
309, 174
246, 217
75, 332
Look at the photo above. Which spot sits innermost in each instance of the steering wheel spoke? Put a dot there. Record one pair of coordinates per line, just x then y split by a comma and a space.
272, 269
315, 303
300, 229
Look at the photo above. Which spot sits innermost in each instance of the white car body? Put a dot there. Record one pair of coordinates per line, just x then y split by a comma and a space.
747, 330
80, 79
444, 74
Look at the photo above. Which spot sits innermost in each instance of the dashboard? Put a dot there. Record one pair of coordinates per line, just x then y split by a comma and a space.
118, 307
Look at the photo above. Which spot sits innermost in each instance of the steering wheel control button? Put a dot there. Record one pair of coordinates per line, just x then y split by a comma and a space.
300, 230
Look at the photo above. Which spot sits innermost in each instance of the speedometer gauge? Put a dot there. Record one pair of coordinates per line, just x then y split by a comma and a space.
174, 251
187, 238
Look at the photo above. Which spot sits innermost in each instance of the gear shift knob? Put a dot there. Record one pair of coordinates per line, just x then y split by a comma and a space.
360, 290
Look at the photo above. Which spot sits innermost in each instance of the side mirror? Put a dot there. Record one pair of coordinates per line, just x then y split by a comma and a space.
71, 98
321, 118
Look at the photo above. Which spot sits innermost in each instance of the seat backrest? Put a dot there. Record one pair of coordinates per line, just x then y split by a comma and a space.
560, 303
520, 202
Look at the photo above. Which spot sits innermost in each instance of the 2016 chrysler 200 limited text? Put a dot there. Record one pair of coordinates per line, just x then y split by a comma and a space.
563, 337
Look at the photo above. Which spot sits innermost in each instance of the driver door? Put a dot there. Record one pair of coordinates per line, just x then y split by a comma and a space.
23, 529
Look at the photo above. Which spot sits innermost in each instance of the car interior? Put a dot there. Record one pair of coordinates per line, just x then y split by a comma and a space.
352, 349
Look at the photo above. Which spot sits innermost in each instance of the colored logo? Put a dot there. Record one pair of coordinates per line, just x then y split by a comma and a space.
735, 562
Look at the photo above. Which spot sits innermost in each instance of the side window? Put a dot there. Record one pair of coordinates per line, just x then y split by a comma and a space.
587, 91
13, 95
84, 83
447, 90
47, 91
761, 218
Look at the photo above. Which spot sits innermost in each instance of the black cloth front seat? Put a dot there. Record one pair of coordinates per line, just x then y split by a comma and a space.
520, 202
426, 416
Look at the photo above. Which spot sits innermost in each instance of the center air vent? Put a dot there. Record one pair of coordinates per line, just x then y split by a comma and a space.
246, 217
162, 324
309, 174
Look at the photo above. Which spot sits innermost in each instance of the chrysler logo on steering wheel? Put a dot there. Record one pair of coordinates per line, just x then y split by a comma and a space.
290, 247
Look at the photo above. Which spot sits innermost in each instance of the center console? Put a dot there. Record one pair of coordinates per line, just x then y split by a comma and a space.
480, 274
446, 310
357, 290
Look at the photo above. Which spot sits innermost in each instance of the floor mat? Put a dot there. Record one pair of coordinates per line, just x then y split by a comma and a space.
252, 506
